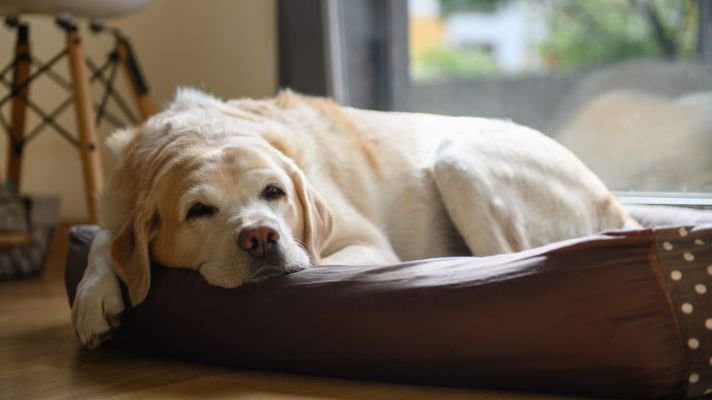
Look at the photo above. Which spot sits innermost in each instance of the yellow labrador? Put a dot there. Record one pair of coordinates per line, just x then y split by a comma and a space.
247, 189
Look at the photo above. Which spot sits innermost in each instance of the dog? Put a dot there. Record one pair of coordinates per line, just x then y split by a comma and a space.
243, 190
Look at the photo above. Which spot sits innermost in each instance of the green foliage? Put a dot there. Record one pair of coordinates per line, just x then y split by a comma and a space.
579, 34
444, 62
584, 33
448, 7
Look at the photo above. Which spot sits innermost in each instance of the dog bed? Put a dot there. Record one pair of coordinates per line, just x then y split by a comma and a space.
621, 314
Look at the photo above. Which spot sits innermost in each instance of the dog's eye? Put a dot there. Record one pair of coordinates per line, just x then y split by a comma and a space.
199, 210
272, 192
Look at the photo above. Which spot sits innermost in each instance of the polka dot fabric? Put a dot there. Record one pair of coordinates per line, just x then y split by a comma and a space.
686, 260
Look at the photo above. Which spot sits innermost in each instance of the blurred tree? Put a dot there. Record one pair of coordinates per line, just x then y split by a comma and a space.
594, 32
443, 63
579, 34
448, 7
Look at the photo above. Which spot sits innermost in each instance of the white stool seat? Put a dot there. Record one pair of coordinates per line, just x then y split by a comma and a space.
92, 9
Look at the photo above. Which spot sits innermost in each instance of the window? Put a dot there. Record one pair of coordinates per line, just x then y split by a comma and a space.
624, 84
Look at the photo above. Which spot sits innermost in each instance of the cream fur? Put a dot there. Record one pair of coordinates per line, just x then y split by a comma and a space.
362, 187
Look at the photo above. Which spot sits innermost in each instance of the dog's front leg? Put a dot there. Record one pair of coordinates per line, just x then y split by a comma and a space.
358, 242
98, 303
361, 254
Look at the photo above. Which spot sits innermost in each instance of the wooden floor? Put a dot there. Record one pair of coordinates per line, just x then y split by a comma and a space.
41, 358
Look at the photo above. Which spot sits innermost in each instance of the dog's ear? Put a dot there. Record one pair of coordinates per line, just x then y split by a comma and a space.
317, 218
130, 252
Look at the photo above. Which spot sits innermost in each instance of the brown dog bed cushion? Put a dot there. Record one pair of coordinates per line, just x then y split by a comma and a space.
614, 315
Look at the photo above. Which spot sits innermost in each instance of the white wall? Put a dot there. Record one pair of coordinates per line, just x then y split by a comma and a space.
224, 46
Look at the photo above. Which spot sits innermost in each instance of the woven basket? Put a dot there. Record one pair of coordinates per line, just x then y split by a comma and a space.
26, 227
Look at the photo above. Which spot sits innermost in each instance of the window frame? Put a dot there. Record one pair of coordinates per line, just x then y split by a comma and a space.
321, 50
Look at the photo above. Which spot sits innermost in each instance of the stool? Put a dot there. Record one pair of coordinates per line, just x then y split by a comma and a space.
79, 84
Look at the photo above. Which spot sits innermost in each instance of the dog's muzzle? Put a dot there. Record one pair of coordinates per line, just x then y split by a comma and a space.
260, 240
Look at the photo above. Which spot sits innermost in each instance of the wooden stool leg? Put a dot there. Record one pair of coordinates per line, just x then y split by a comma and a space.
20, 92
83, 105
133, 72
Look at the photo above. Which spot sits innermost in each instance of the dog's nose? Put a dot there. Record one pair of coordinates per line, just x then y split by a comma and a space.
258, 240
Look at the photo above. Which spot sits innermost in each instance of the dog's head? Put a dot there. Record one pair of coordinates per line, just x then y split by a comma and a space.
201, 188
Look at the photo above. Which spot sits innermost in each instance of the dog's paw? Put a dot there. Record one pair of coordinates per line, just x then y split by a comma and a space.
97, 309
